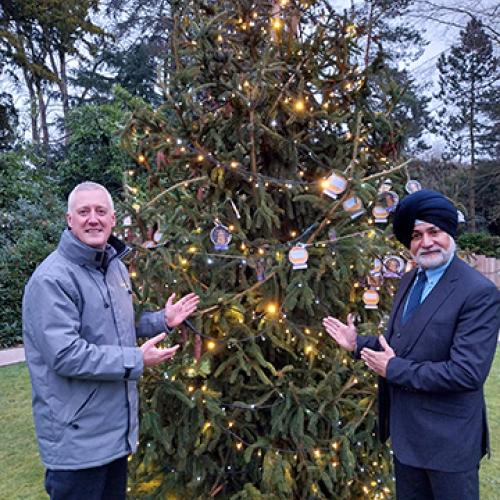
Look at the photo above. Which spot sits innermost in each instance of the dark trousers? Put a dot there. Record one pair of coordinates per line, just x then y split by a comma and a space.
107, 482
413, 483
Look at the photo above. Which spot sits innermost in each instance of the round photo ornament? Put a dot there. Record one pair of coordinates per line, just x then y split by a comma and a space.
220, 236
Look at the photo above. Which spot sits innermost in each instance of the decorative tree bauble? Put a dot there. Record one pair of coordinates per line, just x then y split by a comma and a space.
354, 206
412, 186
221, 237
389, 200
298, 256
393, 266
385, 186
260, 269
380, 214
371, 299
335, 185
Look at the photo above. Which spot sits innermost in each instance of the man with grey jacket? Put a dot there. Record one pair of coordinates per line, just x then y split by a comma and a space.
79, 333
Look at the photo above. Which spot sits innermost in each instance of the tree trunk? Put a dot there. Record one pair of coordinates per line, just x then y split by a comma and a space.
43, 117
63, 86
35, 136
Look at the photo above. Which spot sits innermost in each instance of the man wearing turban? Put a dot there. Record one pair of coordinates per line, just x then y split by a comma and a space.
433, 359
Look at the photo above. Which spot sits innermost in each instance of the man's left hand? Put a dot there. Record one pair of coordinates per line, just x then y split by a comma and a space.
176, 313
378, 360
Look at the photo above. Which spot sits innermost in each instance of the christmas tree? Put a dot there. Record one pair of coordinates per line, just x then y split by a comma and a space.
263, 185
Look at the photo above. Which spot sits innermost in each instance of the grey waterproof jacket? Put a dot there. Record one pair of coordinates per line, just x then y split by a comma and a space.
79, 334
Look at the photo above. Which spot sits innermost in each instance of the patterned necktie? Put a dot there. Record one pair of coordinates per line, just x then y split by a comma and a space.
415, 296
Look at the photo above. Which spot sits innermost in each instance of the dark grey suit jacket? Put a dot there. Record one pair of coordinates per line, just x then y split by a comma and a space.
431, 402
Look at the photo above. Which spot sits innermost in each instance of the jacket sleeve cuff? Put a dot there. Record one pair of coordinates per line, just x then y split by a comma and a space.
152, 323
361, 342
395, 370
165, 327
133, 363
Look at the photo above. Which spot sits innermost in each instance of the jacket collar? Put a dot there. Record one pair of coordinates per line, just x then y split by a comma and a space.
441, 292
80, 253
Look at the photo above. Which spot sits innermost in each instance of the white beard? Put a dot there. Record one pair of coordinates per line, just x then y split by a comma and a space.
438, 257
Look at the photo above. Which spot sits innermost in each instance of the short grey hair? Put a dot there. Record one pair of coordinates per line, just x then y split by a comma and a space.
89, 186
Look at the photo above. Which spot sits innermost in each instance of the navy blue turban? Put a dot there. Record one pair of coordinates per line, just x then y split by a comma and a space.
428, 206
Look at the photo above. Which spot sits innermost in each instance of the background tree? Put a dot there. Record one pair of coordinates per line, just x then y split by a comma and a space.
31, 217
93, 150
37, 37
267, 102
467, 77
388, 36
8, 122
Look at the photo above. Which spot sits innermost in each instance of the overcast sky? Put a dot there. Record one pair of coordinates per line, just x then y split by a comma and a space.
440, 20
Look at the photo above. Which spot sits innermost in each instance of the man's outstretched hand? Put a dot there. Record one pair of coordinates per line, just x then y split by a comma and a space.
176, 313
344, 335
153, 355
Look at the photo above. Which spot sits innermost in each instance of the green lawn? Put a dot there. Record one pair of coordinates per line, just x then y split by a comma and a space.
21, 474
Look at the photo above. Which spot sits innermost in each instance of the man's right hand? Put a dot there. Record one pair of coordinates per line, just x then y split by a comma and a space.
153, 355
344, 335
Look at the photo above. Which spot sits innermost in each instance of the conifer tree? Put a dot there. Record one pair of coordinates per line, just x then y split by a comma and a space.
467, 80
255, 186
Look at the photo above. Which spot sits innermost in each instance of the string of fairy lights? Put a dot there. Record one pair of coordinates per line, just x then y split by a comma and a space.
236, 167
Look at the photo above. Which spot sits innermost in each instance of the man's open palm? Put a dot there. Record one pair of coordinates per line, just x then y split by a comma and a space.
176, 313
344, 335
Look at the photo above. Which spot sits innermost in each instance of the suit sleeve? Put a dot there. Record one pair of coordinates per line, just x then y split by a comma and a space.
471, 353
55, 324
371, 342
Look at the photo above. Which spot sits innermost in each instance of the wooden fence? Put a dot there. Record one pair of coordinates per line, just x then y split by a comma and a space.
488, 266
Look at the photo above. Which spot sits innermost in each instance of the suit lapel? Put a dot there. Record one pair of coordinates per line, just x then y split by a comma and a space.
431, 304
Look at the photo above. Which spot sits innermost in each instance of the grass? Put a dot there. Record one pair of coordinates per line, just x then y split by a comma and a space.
490, 469
21, 474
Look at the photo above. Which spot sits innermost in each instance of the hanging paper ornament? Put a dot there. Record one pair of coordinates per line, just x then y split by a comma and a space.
353, 206
197, 348
260, 269
149, 244
332, 235
298, 256
377, 266
335, 185
127, 231
380, 213
161, 160
375, 280
412, 186
389, 200
385, 186
200, 193
220, 236
157, 236
394, 267
371, 299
